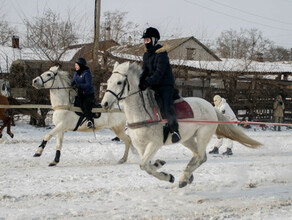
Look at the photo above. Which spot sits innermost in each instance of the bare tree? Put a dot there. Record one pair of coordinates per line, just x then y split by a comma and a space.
49, 35
278, 54
246, 43
115, 26
6, 31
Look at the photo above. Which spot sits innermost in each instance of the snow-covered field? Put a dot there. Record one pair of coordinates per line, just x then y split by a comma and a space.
89, 184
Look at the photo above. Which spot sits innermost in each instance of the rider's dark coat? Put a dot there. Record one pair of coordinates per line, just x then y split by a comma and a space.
158, 74
156, 67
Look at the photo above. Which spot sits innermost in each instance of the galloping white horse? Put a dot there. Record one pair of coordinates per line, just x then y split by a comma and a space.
148, 138
62, 97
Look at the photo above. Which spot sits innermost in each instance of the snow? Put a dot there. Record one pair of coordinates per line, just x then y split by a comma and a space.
226, 65
89, 184
9, 54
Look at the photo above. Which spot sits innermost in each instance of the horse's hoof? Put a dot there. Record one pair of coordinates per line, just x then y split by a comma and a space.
159, 163
52, 164
11, 135
37, 155
171, 178
121, 161
191, 179
182, 184
1, 135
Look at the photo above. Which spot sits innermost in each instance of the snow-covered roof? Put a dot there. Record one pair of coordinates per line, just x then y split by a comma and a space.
226, 65
9, 54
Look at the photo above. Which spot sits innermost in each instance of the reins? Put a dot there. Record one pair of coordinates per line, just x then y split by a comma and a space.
119, 95
53, 78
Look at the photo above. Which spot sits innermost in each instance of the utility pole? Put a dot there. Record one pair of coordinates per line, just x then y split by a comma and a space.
96, 31
96, 70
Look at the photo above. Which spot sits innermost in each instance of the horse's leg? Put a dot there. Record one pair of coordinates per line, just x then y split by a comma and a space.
151, 169
120, 132
199, 154
60, 137
9, 127
2, 127
47, 137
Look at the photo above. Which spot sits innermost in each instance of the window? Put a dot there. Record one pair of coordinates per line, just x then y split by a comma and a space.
190, 53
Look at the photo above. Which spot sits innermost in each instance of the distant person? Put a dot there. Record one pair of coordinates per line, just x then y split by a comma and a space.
82, 80
278, 111
224, 108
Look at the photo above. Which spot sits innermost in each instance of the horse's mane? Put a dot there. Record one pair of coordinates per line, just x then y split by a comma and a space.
66, 79
135, 71
64, 75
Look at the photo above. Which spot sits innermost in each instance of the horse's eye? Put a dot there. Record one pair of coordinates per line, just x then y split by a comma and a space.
49, 74
119, 83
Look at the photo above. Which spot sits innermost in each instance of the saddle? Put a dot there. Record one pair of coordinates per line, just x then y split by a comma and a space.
182, 110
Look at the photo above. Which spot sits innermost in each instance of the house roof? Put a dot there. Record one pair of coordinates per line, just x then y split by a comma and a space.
9, 54
174, 43
139, 49
226, 65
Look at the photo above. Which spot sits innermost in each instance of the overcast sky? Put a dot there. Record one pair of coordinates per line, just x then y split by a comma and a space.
203, 19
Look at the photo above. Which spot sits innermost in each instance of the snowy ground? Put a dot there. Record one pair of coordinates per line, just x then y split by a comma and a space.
89, 184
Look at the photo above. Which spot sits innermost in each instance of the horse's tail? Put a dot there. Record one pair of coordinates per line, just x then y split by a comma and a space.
233, 132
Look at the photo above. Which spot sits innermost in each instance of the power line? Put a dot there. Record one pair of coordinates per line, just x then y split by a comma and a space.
238, 18
249, 13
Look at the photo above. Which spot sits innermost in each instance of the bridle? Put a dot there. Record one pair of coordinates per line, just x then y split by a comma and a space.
120, 94
52, 78
49, 79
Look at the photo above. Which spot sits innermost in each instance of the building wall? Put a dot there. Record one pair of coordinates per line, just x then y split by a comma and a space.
199, 53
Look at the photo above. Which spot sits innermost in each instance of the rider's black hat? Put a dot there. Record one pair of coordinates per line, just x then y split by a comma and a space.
81, 61
151, 32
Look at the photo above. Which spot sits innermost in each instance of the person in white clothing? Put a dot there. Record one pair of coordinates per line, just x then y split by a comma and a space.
224, 108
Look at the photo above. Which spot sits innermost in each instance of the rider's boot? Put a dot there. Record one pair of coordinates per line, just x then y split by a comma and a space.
175, 136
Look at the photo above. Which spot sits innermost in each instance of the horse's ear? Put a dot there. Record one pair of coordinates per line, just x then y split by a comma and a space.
116, 65
58, 64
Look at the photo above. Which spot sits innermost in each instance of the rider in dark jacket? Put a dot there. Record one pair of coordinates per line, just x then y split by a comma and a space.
157, 74
82, 80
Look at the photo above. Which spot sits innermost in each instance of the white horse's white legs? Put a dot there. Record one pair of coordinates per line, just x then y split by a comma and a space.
199, 151
57, 130
151, 169
41, 148
120, 132
60, 137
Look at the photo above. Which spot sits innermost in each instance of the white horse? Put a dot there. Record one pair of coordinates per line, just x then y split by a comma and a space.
62, 97
148, 138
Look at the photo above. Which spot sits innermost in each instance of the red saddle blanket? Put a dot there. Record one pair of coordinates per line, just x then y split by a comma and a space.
183, 110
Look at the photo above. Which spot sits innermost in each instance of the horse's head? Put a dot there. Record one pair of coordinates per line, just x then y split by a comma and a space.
123, 80
5, 89
46, 79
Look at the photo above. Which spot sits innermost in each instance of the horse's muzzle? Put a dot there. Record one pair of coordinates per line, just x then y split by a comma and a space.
36, 83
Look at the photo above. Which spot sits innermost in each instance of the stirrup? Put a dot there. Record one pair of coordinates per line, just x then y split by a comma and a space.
90, 124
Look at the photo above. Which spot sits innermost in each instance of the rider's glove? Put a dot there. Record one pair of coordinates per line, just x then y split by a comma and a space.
76, 86
143, 85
